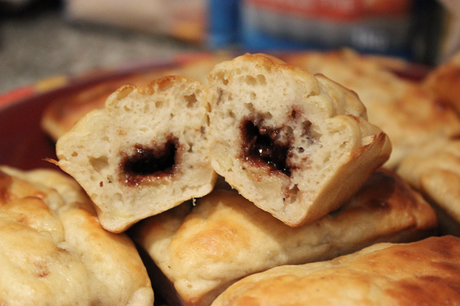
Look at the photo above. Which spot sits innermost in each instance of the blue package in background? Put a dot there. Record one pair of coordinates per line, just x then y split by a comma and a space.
404, 28
223, 23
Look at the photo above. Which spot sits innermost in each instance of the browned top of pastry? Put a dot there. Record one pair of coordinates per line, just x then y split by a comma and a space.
205, 248
444, 82
426, 272
54, 251
435, 171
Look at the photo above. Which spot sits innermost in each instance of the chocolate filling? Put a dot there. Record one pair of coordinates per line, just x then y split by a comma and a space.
150, 162
267, 145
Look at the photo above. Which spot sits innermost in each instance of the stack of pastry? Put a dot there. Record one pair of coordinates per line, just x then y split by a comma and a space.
298, 171
257, 183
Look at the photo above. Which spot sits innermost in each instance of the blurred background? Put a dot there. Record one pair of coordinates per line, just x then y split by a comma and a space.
42, 39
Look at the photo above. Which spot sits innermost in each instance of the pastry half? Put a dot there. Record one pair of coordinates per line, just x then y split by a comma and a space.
202, 249
144, 153
425, 272
295, 144
53, 250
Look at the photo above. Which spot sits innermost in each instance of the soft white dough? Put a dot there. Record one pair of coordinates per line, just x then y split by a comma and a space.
326, 147
145, 153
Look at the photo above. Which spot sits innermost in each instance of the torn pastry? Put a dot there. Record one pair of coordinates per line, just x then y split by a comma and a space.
144, 153
295, 144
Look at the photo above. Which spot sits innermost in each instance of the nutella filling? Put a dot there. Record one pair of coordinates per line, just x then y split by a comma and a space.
149, 162
267, 145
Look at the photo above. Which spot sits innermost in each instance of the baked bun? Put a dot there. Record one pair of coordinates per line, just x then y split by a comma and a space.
394, 97
200, 250
55, 252
434, 170
294, 144
425, 272
144, 153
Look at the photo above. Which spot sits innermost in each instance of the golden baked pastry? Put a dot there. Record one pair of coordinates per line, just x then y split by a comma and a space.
202, 249
144, 153
425, 272
53, 251
444, 81
294, 144
410, 115
434, 170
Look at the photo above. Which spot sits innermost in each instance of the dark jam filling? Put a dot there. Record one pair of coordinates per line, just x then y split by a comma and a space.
263, 144
154, 162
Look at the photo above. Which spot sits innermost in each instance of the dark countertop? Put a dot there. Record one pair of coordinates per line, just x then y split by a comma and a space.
45, 45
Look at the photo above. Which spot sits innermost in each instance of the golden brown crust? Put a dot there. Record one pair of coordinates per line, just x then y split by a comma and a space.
426, 272
435, 171
16, 184
205, 248
411, 115
444, 82
54, 250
